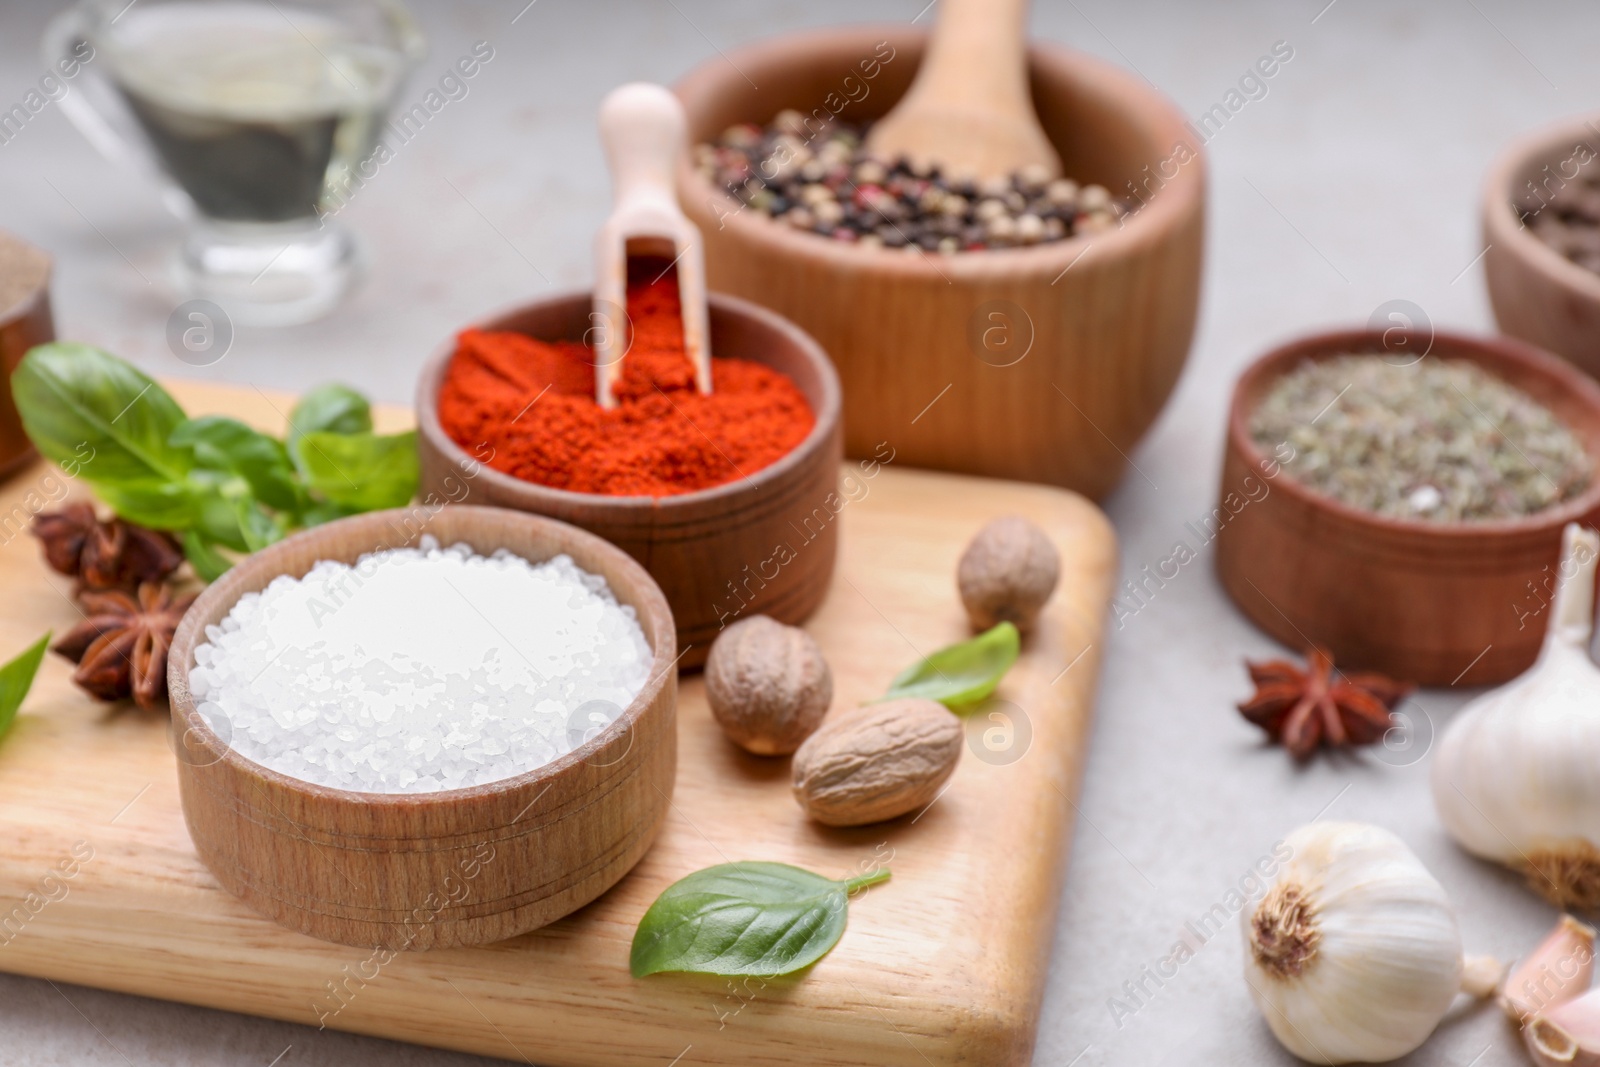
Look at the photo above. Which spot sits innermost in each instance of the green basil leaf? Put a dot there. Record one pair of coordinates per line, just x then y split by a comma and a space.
228, 514
203, 556
328, 408
319, 513
216, 517
256, 527
158, 505
750, 918
223, 444
963, 673
16, 678
363, 471
74, 397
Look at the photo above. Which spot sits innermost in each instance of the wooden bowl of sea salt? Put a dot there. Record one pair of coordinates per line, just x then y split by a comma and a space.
425, 728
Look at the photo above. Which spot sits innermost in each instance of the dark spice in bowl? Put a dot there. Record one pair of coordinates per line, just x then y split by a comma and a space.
820, 179
1569, 221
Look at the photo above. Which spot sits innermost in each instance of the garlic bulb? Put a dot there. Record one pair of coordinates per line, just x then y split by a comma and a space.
1353, 954
1514, 778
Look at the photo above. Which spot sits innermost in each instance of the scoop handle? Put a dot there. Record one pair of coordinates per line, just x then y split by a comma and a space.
643, 131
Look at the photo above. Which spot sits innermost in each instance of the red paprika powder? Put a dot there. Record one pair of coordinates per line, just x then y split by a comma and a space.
532, 402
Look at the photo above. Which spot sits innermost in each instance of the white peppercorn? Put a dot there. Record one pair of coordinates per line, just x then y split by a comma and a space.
1094, 198
989, 210
870, 172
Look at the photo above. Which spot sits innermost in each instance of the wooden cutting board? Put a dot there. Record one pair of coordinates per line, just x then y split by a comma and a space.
944, 964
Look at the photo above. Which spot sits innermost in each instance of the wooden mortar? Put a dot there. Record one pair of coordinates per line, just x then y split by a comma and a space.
430, 870
1045, 363
762, 545
1431, 603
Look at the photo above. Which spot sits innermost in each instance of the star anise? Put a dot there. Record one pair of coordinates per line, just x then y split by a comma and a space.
121, 645
1310, 707
105, 555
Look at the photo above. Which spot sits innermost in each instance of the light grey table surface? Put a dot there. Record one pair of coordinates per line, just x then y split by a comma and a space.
1354, 181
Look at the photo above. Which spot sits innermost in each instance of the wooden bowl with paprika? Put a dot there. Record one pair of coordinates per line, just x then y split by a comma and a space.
1430, 602
1045, 363
763, 542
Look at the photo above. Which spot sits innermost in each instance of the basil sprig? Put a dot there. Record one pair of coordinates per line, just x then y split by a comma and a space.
360, 471
963, 673
72, 394
749, 918
216, 482
16, 678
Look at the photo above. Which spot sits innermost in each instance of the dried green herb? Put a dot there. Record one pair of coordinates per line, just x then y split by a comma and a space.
963, 673
1436, 440
750, 918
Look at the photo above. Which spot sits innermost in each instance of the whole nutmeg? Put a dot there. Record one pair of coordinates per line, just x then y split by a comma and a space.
876, 763
768, 685
1007, 573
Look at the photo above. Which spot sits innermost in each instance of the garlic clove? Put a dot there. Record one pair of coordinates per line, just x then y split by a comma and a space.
1567, 1033
1560, 969
1482, 976
1353, 954
1513, 777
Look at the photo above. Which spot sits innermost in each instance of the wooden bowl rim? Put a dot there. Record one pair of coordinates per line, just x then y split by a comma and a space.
1503, 226
654, 614
29, 303
1176, 202
824, 425
1532, 362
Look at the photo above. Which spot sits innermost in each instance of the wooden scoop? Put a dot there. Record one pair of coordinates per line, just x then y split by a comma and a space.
643, 131
969, 110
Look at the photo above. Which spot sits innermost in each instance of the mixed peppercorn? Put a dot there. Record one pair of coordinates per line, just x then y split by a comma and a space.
823, 181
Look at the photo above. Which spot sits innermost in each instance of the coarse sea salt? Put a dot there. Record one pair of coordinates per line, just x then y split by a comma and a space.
420, 669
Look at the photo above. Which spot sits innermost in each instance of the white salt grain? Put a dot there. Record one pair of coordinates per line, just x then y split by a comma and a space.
420, 669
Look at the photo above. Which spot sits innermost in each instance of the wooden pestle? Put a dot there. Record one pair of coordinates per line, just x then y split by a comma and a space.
969, 110
643, 130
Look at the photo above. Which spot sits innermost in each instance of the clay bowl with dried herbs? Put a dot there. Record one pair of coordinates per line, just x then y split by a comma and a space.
763, 544
1435, 602
386, 869
1541, 226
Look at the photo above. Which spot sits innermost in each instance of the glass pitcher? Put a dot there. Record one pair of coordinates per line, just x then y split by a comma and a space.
255, 115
